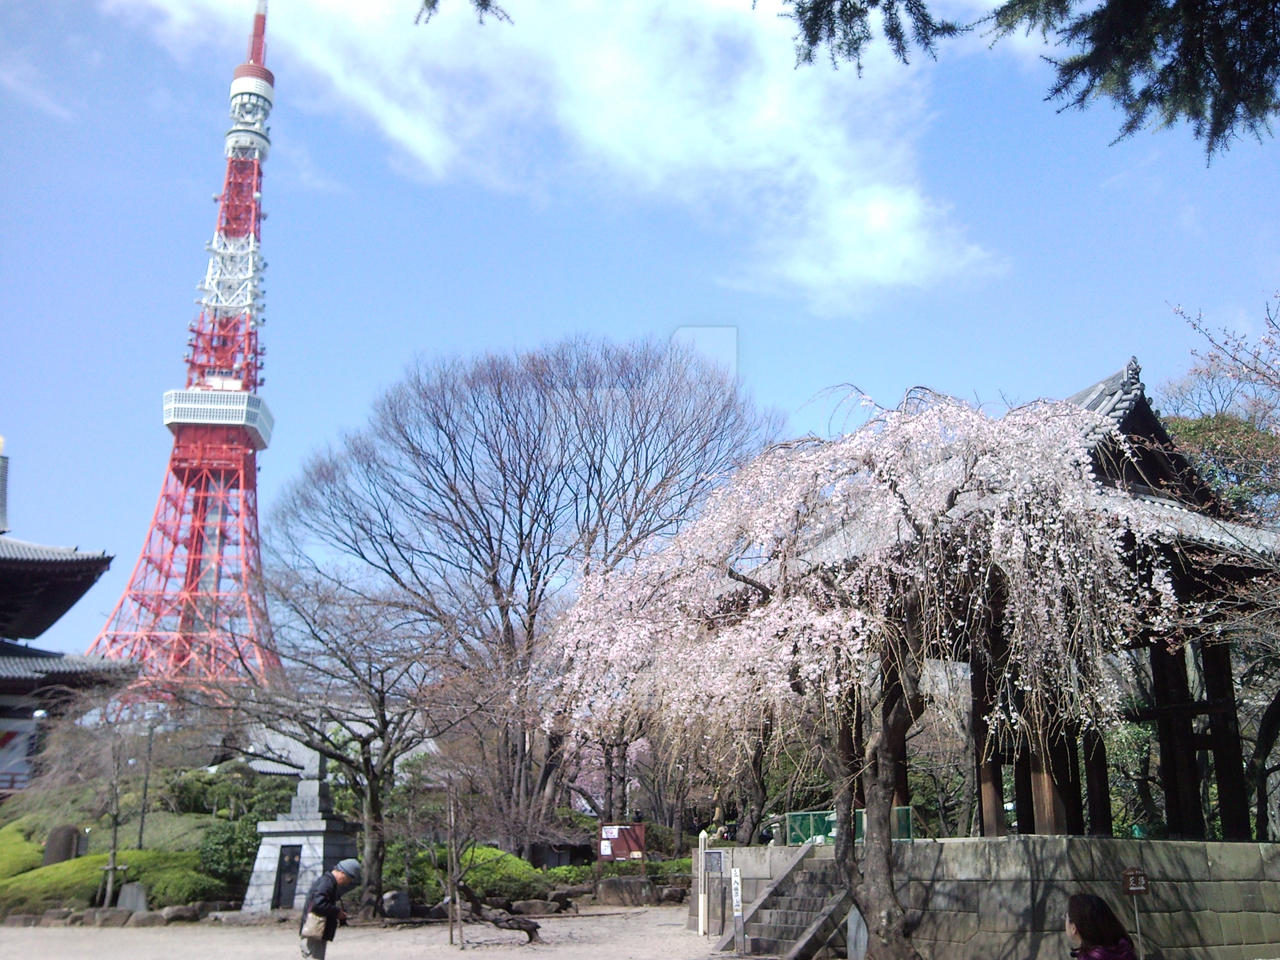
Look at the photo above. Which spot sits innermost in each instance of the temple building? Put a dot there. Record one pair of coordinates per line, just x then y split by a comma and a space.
38, 584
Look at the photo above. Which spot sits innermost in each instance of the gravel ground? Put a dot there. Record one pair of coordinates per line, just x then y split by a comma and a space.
647, 933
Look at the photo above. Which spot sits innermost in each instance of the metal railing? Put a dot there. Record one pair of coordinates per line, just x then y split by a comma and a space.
10, 781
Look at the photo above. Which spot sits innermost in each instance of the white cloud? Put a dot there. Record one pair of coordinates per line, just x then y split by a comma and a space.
24, 81
811, 172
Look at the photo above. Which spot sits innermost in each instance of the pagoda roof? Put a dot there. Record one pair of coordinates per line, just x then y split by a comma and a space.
24, 669
1114, 397
38, 584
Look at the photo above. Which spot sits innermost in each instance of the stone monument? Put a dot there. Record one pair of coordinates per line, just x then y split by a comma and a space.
298, 846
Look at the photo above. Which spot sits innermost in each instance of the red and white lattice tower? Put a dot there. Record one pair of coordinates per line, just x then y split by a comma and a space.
193, 610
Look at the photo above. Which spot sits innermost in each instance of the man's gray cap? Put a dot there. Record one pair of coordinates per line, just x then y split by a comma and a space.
351, 867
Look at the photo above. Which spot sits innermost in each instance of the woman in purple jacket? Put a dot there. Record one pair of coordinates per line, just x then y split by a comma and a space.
1094, 931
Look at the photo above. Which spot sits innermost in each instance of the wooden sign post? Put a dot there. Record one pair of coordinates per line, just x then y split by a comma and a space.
701, 867
1136, 885
739, 932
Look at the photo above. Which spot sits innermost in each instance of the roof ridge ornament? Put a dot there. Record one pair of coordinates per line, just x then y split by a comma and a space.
1132, 372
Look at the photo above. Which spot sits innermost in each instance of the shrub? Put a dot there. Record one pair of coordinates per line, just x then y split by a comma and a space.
491, 872
488, 871
425, 877
570, 876
228, 851
675, 872
18, 854
169, 878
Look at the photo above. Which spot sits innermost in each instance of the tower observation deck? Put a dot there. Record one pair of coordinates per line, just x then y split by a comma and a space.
193, 610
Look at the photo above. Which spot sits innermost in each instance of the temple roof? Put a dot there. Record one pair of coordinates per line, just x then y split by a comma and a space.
1116, 396
38, 584
24, 669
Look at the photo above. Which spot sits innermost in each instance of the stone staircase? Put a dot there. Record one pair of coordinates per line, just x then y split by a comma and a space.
802, 913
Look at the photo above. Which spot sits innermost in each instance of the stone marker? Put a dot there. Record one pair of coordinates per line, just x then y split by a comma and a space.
133, 896
298, 846
63, 843
625, 892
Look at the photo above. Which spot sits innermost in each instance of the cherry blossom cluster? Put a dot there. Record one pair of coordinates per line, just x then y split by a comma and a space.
934, 531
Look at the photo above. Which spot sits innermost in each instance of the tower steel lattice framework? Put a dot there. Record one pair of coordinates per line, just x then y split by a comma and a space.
193, 610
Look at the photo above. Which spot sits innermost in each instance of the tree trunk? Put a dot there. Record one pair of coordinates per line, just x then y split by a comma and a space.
886, 919
606, 750
375, 846
889, 933
751, 808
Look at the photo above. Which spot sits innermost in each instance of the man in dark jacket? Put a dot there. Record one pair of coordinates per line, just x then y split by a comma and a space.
323, 900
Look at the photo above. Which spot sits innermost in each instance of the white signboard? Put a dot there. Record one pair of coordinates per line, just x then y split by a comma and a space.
606, 848
735, 880
609, 833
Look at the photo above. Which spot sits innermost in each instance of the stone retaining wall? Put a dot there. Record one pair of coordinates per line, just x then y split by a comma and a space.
1005, 899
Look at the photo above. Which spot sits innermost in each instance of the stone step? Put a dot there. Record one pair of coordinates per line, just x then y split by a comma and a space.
825, 868
805, 889
820, 879
765, 946
777, 931
805, 904
789, 917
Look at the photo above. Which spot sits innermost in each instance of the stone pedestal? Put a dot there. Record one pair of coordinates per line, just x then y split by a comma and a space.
296, 849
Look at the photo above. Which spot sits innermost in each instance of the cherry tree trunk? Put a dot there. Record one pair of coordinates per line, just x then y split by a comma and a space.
887, 928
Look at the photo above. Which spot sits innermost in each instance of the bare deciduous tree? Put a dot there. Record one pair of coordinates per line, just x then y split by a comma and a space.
368, 681
480, 491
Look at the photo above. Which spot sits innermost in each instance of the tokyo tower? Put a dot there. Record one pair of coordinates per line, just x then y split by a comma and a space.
193, 611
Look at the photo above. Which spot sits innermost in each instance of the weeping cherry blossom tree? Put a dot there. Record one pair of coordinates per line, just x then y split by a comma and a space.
803, 608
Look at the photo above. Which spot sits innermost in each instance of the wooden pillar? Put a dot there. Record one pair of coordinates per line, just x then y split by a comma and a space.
1064, 763
1179, 774
1050, 811
1097, 785
1224, 735
1023, 794
990, 776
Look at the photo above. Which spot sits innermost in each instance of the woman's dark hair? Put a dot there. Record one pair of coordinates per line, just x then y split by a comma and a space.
1096, 924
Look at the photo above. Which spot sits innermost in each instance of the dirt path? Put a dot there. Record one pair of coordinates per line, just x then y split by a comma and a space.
649, 933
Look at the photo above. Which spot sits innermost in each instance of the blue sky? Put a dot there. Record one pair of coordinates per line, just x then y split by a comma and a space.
620, 168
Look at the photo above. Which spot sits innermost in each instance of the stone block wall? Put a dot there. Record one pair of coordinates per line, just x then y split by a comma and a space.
1005, 899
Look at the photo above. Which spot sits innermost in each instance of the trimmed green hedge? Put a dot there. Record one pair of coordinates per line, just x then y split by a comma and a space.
17, 853
169, 878
660, 871
490, 872
494, 873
